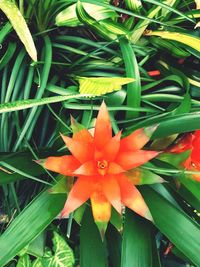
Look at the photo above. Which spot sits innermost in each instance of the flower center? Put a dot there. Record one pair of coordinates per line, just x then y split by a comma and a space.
102, 166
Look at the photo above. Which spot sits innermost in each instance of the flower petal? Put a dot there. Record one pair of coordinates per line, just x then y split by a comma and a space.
101, 209
80, 133
184, 144
87, 168
111, 190
129, 160
137, 139
80, 150
79, 194
111, 149
103, 129
114, 168
195, 155
64, 165
131, 197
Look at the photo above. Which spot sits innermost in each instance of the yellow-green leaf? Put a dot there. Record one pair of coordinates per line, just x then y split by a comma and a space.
19, 24
134, 5
143, 24
101, 85
183, 38
68, 16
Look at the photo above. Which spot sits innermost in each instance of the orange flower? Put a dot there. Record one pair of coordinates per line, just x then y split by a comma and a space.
191, 142
101, 164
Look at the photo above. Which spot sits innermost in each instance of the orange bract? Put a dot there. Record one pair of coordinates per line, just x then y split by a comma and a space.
100, 164
191, 142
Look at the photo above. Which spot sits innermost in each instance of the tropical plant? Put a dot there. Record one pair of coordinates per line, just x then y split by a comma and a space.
59, 60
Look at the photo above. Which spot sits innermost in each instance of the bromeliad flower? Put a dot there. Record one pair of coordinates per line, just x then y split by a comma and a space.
190, 142
104, 166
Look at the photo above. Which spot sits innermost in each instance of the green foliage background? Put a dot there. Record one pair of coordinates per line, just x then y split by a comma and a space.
63, 57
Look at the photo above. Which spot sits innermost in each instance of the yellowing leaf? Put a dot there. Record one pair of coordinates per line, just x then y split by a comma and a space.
197, 4
19, 24
197, 25
100, 86
183, 38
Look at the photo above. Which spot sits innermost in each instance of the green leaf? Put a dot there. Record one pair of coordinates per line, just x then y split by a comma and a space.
139, 176
134, 5
62, 186
185, 105
5, 30
174, 159
174, 223
183, 38
37, 247
114, 242
92, 249
18, 166
37, 263
143, 24
8, 55
178, 124
116, 220
136, 242
29, 103
192, 185
24, 261
114, 27
20, 26
63, 255
68, 16
29, 224
132, 70
93, 24
102, 85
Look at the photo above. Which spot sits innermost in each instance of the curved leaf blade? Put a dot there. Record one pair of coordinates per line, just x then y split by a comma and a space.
19, 24
183, 38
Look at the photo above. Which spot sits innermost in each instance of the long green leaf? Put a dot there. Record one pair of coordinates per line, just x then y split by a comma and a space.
136, 242
29, 224
132, 71
186, 39
182, 231
92, 249
19, 24
29, 103
178, 124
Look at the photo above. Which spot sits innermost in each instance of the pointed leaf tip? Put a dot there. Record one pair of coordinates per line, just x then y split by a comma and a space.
102, 226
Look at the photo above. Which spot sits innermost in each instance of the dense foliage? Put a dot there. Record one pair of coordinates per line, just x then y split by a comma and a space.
61, 58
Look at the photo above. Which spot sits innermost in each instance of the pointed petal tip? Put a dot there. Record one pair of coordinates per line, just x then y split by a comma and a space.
150, 130
102, 226
41, 162
148, 216
63, 214
72, 119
